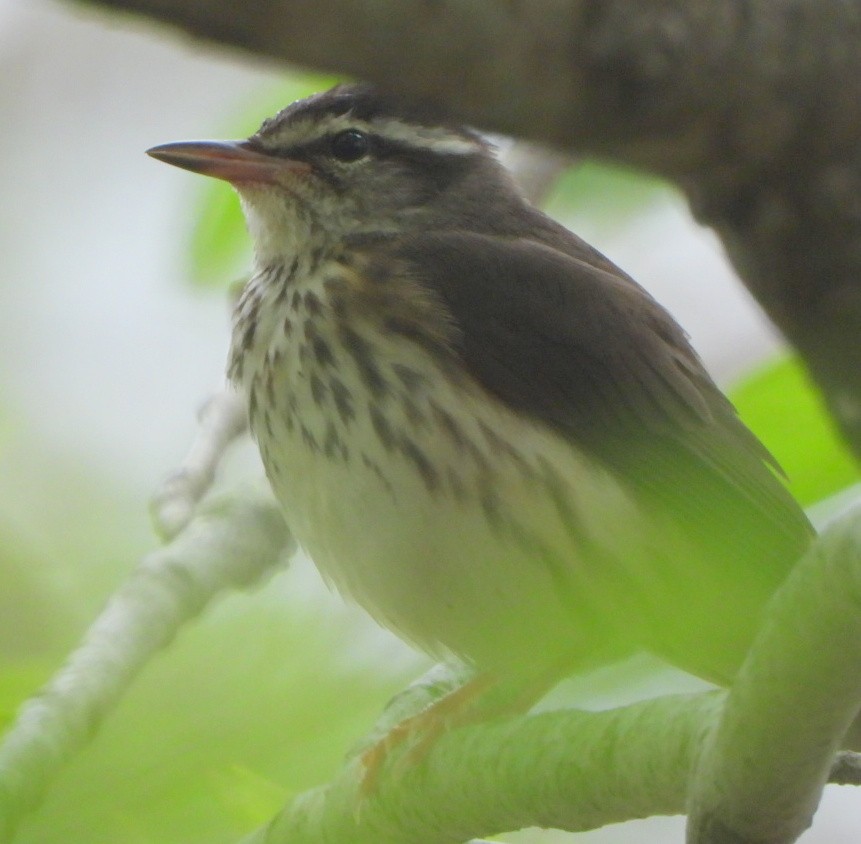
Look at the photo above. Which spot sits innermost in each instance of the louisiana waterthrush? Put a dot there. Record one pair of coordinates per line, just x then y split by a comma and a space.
479, 428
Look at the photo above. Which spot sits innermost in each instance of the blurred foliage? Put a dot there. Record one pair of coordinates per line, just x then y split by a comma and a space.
34, 612
783, 408
18, 679
604, 191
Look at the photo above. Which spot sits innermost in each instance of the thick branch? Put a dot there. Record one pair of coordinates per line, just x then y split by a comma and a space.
761, 772
715, 78
571, 770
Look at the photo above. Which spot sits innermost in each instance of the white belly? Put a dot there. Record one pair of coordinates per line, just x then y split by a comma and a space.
454, 522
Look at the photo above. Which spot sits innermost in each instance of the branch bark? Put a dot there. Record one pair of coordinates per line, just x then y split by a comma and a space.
760, 773
569, 770
753, 108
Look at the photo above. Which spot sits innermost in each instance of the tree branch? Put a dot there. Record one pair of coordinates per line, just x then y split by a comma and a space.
761, 772
570, 770
675, 85
221, 420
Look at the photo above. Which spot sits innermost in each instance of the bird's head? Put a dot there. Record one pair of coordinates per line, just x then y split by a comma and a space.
352, 163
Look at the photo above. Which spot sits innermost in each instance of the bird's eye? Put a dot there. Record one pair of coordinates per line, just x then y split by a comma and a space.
350, 145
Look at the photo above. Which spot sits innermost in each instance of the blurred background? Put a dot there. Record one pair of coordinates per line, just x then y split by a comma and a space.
113, 331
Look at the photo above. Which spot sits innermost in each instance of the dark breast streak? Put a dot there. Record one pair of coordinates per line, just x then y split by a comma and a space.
359, 345
359, 370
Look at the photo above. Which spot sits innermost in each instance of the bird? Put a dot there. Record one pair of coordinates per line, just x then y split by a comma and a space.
479, 428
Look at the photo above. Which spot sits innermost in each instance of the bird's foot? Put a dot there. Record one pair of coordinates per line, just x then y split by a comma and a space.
419, 732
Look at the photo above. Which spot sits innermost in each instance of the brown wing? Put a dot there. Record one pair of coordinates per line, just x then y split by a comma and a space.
590, 354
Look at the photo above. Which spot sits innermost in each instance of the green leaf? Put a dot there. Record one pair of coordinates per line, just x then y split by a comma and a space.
247, 795
219, 246
783, 408
18, 679
603, 190
219, 249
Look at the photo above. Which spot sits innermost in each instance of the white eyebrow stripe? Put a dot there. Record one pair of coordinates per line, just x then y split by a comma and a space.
426, 137
438, 139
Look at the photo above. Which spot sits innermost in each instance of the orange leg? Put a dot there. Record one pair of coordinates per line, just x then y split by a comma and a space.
457, 708
471, 703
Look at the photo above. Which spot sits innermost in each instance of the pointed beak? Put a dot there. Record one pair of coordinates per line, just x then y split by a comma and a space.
234, 161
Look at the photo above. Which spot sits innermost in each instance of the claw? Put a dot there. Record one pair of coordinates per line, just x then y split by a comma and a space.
421, 731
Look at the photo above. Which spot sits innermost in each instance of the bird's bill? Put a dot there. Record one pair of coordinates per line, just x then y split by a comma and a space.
233, 161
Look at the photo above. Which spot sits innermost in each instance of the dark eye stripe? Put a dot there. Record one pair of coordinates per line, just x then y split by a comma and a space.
379, 145
437, 168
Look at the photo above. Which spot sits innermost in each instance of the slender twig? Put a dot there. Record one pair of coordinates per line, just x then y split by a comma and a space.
846, 769
221, 420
